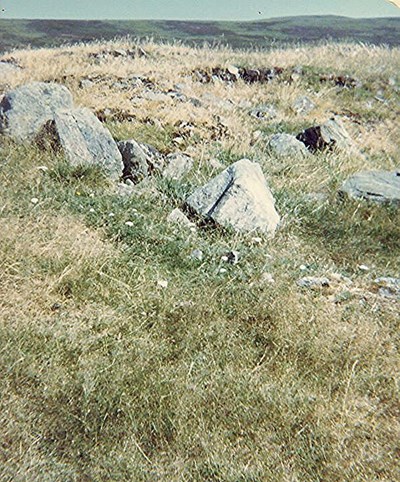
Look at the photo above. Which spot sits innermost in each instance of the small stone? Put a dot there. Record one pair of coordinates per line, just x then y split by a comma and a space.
223, 270
313, 282
267, 278
303, 105
363, 267
303, 267
257, 240
233, 257
197, 254
55, 306
129, 223
111, 215
91, 210
178, 217
42, 168
162, 284
34, 200
224, 258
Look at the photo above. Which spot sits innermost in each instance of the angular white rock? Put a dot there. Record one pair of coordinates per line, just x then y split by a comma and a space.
238, 197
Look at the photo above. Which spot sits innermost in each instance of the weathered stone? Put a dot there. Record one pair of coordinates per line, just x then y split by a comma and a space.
85, 141
140, 160
286, 145
264, 112
303, 105
389, 287
25, 110
312, 282
239, 198
177, 165
178, 217
326, 136
8, 68
377, 186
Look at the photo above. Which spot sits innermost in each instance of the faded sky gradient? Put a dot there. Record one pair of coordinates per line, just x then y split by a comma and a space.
192, 9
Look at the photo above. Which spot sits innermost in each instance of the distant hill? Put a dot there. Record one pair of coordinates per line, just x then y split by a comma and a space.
261, 33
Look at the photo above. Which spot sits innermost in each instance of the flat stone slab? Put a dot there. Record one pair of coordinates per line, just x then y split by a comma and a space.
25, 110
85, 141
239, 198
376, 186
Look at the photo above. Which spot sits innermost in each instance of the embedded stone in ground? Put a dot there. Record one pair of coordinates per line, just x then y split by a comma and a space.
377, 186
287, 145
140, 160
177, 165
237, 198
85, 141
326, 136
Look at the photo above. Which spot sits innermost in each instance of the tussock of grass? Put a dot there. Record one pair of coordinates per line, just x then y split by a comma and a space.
105, 375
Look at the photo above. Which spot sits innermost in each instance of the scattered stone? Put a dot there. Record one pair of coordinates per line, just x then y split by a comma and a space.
264, 112
267, 278
345, 81
326, 136
233, 257
239, 198
303, 105
286, 145
197, 254
129, 224
363, 267
105, 55
312, 282
389, 287
34, 200
178, 217
140, 160
84, 140
377, 186
177, 165
162, 284
25, 110
233, 74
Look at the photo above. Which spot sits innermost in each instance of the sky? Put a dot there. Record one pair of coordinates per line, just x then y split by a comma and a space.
192, 9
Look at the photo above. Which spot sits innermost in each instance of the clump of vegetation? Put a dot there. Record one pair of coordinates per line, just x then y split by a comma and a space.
123, 357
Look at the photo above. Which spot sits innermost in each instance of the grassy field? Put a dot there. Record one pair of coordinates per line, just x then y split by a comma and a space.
107, 373
262, 34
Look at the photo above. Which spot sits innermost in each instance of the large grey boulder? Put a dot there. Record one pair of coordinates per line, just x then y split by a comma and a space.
283, 145
25, 110
239, 198
85, 141
140, 160
377, 186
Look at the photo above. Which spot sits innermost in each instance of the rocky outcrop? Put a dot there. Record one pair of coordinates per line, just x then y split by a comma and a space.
376, 186
85, 141
25, 110
238, 198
